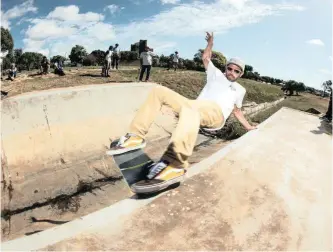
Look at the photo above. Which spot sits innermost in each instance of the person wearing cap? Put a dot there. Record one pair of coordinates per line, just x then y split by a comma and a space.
220, 97
146, 61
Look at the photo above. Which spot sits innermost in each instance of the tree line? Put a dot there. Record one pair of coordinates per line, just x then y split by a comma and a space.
79, 55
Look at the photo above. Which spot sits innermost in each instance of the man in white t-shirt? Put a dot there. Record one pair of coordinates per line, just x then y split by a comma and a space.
115, 56
107, 62
146, 61
220, 97
175, 60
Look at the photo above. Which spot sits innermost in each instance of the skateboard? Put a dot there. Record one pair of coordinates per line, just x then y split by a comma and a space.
134, 166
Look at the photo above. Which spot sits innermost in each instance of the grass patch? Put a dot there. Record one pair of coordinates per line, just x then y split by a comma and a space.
186, 83
259, 92
302, 102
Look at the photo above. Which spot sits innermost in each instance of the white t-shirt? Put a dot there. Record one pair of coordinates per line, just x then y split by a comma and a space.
108, 56
147, 58
224, 92
116, 52
175, 58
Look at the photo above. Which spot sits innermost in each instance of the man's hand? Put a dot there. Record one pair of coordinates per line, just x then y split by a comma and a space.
210, 37
207, 54
251, 127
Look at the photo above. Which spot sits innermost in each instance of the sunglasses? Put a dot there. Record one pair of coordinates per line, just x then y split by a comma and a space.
235, 70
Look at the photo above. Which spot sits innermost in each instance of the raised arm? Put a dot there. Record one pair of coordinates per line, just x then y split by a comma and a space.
207, 54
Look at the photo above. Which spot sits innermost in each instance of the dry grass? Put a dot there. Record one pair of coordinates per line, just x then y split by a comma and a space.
302, 102
187, 83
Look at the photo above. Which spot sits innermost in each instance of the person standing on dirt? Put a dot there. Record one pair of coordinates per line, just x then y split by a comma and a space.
107, 62
115, 56
45, 66
328, 116
220, 97
175, 61
146, 61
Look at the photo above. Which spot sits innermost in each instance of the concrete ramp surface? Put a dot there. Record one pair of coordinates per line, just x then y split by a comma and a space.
268, 190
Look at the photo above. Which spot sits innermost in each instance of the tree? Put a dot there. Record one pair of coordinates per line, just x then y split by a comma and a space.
327, 86
291, 86
57, 58
248, 68
17, 54
299, 87
99, 55
218, 60
7, 42
30, 60
189, 64
89, 60
311, 90
128, 56
164, 61
78, 53
8, 60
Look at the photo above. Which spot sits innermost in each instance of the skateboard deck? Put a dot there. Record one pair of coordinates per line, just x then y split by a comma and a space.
133, 165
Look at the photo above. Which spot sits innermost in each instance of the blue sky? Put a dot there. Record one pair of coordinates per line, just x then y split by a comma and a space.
279, 38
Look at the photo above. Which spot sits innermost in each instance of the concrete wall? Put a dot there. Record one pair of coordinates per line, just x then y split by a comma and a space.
261, 107
45, 133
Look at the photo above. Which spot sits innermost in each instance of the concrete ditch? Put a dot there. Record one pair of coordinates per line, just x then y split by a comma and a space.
53, 152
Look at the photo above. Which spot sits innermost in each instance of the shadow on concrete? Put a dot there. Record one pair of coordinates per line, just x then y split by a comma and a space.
150, 195
323, 128
34, 232
34, 220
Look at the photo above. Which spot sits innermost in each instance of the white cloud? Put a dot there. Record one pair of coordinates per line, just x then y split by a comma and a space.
65, 26
113, 8
71, 14
17, 11
169, 1
317, 42
325, 71
330, 57
48, 29
195, 18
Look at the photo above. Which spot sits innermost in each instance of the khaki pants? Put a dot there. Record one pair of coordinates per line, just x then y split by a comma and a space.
192, 115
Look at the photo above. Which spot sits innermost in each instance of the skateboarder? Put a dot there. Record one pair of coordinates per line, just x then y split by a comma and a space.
220, 97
